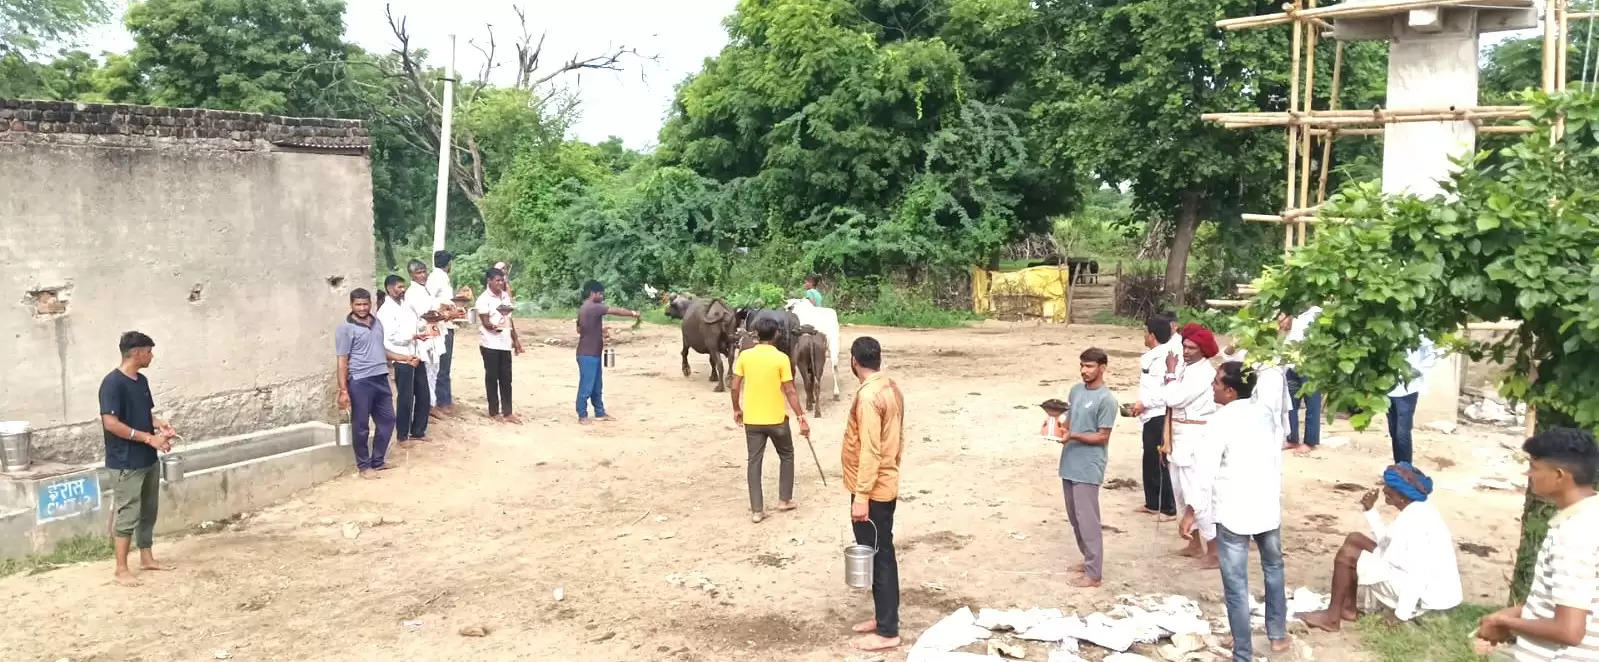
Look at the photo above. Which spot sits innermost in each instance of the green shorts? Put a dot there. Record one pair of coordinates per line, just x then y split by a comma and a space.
136, 497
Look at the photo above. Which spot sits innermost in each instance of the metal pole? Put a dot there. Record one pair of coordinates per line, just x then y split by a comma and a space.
441, 195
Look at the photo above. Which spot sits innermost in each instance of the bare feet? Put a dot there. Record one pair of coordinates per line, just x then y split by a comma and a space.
864, 627
1192, 551
1145, 510
436, 415
757, 517
1210, 562
512, 419
605, 419
385, 467
1322, 620
1077, 568
1280, 645
1084, 582
157, 567
873, 642
1289, 445
1303, 449
787, 505
368, 473
126, 578
585, 421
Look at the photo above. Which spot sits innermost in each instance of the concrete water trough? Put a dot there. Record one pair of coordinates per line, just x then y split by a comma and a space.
220, 478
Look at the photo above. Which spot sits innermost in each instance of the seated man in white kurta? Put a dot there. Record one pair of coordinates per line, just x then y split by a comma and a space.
1190, 401
1407, 566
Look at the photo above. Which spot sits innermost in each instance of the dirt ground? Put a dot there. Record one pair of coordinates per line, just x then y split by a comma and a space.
642, 524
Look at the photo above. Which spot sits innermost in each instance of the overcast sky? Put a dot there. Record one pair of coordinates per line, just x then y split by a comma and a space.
629, 103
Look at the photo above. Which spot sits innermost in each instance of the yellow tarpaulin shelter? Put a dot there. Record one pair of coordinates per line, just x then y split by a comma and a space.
1037, 292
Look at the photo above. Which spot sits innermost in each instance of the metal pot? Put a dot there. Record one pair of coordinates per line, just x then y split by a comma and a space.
16, 445
858, 562
172, 467
346, 435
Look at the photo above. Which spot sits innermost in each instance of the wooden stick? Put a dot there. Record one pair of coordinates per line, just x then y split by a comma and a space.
1301, 211
1563, 45
1327, 141
1548, 50
1293, 131
1506, 129
1345, 10
1305, 141
1268, 115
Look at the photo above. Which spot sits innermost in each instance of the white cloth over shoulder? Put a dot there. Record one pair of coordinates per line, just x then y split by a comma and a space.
1415, 557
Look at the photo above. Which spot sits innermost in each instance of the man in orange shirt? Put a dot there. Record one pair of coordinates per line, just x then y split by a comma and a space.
873, 439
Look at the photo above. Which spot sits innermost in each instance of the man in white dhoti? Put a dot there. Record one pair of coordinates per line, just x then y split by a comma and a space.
1407, 566
1190, 401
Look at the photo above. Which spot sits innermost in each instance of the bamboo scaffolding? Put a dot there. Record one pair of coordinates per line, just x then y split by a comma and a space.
1327, 140
1293, 130
1299, 15
1278, 218
1304, 135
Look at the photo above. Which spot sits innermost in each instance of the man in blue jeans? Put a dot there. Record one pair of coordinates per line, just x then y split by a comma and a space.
1296, 328
1245, 503
362, 374
591, 350
1402, 400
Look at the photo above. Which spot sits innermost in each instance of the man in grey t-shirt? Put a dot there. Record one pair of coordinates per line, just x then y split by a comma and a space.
591, 349
1082, 462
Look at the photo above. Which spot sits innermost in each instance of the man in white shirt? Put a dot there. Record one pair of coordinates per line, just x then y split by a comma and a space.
1154, 367
402, 330
1402, 400
498, 339
441, 291
1190, 399
1245, 502
1560, 620
1297, 327
1408, 566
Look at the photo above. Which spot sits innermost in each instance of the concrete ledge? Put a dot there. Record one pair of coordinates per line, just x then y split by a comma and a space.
222, 478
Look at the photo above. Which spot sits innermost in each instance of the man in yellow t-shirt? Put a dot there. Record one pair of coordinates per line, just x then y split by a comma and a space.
763, 379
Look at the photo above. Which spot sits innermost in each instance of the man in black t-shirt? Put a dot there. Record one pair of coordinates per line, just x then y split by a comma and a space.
133, 435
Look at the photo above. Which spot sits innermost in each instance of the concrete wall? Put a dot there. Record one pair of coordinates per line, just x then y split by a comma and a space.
232, 239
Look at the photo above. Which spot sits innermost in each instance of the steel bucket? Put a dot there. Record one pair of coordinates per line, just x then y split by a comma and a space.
858, 562
172, 467
346, 435
16, 445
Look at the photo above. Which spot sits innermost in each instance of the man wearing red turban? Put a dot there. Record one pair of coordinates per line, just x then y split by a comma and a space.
1202, 338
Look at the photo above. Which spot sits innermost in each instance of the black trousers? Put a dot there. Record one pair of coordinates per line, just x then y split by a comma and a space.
412, 402
885, 569
497, 380
1157, 478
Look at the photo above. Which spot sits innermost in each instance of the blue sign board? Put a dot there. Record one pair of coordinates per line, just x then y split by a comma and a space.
68, 496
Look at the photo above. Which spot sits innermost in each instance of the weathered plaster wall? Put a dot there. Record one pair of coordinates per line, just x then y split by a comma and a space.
230, 238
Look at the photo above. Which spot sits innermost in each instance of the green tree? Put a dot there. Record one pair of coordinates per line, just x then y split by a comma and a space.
1127, 82
1512, 238
273, 56
1513, 66
25, 25
854, 137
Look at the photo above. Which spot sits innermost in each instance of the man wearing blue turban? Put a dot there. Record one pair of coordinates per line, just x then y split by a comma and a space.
1407, 566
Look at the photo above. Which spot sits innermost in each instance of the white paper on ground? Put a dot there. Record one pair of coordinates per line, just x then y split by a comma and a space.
1014, 620
951, 632
1054, 629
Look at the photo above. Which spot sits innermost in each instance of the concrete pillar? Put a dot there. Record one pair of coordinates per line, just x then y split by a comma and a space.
1429, 71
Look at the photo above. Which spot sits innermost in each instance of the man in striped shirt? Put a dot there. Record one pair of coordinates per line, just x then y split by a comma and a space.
1558, 622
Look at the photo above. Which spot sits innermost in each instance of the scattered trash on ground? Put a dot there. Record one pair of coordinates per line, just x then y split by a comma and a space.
1171, 626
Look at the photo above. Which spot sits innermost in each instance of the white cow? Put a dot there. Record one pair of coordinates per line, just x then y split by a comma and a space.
825, 321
